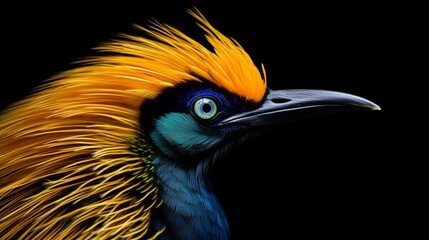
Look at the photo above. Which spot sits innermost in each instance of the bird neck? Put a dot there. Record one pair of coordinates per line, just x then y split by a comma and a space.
190, 210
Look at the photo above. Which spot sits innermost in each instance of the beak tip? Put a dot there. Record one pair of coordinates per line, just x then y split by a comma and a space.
376, 108
372, 106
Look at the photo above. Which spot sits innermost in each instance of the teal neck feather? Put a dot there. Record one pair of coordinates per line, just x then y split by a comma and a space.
189, 208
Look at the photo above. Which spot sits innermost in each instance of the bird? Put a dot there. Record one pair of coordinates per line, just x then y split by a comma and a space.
121, 146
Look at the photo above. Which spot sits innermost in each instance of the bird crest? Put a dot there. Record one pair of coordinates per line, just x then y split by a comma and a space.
73, 162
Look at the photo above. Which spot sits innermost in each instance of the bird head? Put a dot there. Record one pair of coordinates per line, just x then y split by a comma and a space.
80, 149
223, 97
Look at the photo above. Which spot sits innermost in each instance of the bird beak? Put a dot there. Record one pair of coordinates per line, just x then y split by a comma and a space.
288, 105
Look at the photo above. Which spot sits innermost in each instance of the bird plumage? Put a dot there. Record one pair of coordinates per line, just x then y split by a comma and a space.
71, 159
120, 146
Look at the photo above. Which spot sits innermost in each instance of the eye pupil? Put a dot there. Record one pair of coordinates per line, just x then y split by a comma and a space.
207, 108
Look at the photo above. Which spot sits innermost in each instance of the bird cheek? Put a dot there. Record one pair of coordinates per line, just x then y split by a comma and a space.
178, 134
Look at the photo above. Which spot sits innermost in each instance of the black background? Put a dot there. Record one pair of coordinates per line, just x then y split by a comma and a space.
331, 176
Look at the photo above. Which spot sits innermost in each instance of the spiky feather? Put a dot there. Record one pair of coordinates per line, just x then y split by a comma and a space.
73, 162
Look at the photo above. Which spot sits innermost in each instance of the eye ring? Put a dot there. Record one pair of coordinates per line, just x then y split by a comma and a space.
205, 108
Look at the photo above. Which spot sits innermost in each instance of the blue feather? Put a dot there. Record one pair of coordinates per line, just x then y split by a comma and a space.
189, 210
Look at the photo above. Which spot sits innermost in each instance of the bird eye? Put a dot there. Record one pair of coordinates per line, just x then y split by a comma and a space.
205, 108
